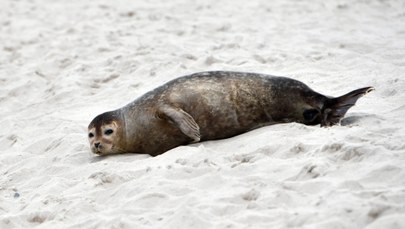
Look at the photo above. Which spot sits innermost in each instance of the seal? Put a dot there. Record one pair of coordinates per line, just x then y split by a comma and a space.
212, 105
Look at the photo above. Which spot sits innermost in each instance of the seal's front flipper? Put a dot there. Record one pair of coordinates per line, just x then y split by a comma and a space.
335, 108
183, 121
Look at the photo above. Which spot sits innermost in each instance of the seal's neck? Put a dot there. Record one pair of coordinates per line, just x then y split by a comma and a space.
129, 134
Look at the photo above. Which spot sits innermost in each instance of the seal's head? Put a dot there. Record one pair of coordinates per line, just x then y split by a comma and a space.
106, 133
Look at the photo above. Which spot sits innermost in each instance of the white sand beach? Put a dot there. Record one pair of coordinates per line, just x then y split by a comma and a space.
64, 62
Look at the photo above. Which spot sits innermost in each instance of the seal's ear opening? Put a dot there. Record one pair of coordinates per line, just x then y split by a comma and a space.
335, 109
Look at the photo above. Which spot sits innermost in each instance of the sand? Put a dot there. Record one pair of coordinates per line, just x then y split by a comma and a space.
64, 62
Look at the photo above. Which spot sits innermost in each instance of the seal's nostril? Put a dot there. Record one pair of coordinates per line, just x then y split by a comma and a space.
96, 144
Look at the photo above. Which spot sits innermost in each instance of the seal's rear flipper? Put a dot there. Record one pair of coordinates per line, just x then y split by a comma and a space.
335, 108
183, 121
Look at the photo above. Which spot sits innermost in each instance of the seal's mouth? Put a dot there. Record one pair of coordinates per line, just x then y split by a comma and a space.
102, 151
96, 151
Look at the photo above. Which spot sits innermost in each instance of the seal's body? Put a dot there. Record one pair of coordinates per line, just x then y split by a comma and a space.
212, 105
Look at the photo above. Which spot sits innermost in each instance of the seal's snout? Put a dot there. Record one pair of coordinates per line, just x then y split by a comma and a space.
97, 144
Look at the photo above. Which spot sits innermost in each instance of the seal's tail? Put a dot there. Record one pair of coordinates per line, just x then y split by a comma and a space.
336, 108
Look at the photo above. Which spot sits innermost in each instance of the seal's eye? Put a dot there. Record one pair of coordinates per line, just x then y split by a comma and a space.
91, 135
108, 132
310, 115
